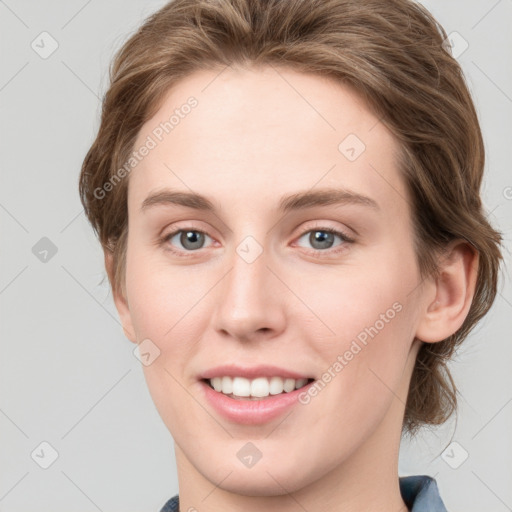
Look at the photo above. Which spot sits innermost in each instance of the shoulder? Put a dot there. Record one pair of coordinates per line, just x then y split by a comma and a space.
420, 494
172, 505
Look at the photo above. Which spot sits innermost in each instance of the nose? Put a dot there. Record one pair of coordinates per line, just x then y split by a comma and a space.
250, 301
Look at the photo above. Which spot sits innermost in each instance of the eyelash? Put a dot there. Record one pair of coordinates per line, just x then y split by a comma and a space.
344, 237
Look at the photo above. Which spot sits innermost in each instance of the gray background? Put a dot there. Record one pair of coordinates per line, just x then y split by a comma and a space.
68, 376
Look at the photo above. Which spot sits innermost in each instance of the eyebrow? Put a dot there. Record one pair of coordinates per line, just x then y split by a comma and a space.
298, 201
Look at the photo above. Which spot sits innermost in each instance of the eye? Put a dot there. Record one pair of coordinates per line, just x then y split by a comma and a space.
190, 239
324, 238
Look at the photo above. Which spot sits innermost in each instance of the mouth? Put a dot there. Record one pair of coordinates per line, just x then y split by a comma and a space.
259, 388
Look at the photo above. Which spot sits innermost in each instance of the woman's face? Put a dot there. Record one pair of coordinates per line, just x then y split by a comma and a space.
270, 237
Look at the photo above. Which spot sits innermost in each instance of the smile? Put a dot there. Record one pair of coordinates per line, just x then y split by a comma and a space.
255, 389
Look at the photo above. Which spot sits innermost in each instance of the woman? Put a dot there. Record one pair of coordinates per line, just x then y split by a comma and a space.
287, 194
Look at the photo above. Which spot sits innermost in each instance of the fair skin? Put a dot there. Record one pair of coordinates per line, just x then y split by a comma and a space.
251, 140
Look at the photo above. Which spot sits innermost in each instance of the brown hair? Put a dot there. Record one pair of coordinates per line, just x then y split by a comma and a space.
393, 54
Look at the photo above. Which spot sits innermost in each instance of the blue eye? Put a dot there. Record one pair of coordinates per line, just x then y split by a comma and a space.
185, 241
324, 238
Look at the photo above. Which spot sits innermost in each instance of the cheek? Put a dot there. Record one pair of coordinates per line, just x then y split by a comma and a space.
366, 317
167, 306
163, 298
355, 300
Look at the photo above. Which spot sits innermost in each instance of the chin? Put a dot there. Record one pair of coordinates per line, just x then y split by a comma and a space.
263, 479
247, 483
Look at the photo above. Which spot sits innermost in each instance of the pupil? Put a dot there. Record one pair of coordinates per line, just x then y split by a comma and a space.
323, 238
191, 239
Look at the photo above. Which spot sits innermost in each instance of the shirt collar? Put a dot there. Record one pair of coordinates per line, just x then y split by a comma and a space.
420, 494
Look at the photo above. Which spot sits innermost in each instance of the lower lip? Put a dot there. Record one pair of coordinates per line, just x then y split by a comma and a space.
252, 412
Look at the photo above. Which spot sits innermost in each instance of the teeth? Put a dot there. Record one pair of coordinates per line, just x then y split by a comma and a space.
227, 384
260, 387
276, 385
216, 383
241, 386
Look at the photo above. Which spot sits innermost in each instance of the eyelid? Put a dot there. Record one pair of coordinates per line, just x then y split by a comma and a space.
185, 225
341, 233
323, 226
173, 233
163, 240
332, 251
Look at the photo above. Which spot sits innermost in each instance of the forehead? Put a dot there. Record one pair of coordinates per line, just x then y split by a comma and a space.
253, 128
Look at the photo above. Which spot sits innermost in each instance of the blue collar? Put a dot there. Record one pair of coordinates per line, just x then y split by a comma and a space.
420, 494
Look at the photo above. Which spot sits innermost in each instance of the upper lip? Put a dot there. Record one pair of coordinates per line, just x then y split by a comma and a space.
251, 372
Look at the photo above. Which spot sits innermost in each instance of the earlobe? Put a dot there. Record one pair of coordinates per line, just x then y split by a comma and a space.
119, 300
450, 297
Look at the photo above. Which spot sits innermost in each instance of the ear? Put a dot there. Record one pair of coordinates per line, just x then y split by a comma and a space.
120, 300
449, 296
